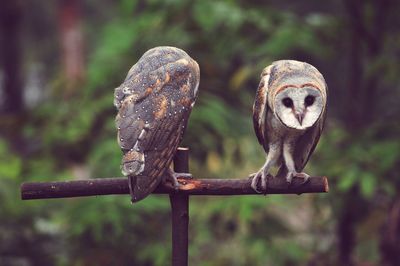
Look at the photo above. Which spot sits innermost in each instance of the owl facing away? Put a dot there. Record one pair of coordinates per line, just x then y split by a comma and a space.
288, 116
154, 103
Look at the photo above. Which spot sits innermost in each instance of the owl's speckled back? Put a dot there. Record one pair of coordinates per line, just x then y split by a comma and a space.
154, 104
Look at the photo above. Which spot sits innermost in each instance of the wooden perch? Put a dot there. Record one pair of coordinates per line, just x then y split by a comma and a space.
179, 198
118, 185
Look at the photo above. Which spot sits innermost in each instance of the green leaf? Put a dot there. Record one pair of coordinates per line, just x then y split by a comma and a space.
348, 179
368, 184
10, 165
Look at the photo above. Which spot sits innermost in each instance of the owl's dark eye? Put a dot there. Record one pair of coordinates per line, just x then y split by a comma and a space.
287, 102
309, 100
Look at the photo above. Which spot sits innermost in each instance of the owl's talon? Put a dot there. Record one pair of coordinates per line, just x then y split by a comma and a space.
253, 185
173, 178
290, 175
305, 176
264, 182
260, 176
289, 178
184, 175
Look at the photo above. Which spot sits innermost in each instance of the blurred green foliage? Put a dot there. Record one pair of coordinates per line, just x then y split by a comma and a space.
74, 137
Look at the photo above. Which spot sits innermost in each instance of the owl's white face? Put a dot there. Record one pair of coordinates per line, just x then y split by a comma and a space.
299, 107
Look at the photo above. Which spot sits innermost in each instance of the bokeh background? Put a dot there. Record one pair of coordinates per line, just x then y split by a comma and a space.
60, 62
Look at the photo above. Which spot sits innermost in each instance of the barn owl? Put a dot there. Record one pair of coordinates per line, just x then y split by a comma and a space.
154, 103
288, 116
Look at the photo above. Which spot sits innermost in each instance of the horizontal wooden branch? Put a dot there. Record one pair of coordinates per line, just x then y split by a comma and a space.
118, 185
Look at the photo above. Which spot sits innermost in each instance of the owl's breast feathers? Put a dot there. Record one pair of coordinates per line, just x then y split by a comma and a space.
154, 104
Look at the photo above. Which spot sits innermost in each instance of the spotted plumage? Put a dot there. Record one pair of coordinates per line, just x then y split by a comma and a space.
288, 116
154, 103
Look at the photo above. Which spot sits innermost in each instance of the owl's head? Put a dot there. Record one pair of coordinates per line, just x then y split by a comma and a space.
299, 108
299, 94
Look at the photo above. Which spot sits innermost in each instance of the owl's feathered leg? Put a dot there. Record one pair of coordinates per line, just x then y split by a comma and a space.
173, 177
262, 174
289, 162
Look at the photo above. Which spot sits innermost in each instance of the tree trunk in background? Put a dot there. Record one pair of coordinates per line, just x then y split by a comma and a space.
354, 109
390, 240
12, 106
352, 211
364, 80
72, 44
10, 20
366, 45
346, 220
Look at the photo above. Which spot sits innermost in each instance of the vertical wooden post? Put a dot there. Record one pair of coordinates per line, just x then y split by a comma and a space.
180, 213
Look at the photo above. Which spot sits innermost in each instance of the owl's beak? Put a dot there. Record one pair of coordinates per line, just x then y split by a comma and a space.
299, 116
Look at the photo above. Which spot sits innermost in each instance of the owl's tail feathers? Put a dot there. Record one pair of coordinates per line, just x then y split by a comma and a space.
140, 186
132, 185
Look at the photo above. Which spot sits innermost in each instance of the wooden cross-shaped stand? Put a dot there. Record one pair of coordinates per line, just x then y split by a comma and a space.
179, 198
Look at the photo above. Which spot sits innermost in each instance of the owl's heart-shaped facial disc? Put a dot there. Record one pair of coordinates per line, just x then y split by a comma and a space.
299, 107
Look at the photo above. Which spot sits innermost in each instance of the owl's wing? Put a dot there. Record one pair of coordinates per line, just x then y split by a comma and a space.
260, 108
151, 146
160, 153
151, 121
306, 144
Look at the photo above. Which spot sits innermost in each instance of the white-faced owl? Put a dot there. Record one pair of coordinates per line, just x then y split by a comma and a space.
154, 103
288, 116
